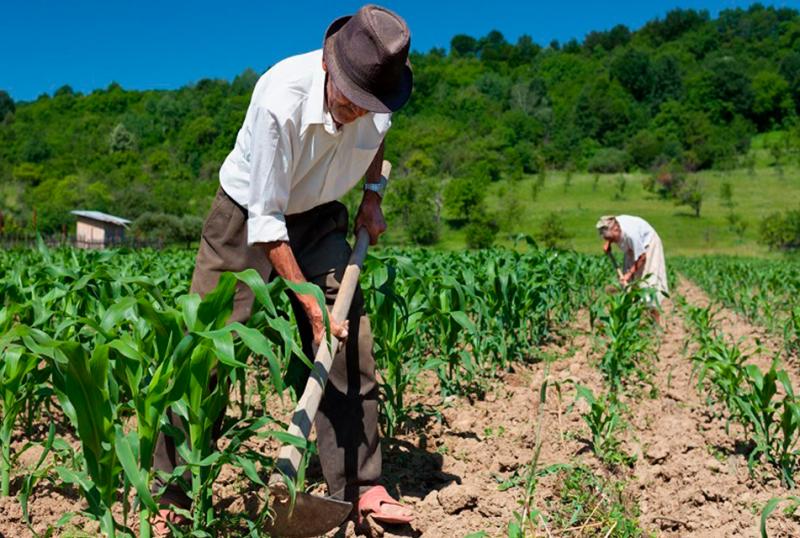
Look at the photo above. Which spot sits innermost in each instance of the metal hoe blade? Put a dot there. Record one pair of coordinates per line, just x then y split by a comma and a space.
310, 516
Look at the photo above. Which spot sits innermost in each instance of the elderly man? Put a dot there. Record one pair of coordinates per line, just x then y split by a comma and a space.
315, 125
644, 254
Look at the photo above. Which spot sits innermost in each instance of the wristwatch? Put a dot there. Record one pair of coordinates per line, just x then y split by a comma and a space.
378, 187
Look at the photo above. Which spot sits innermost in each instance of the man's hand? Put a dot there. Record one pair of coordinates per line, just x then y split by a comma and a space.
314, 313
370, 216
280, 255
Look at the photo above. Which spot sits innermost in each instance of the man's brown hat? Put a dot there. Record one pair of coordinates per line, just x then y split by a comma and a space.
367, 56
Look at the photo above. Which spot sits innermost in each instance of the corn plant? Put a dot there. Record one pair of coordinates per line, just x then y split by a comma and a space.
791, 333
395, 320
701, 325
773, 420
120, 325
155, 356
721, 364
17, 384
456, 367
764, 404
764, 291
89, 398
623, 324
772, 504
604, 420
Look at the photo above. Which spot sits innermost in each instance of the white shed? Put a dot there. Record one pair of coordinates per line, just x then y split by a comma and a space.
99, 230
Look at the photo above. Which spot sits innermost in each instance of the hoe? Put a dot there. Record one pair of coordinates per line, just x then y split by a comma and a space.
313, 515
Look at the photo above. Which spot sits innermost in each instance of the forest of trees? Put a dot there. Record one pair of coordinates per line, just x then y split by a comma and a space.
685, 91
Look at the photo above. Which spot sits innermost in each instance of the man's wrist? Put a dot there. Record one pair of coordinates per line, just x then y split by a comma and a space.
377, 185
371, 197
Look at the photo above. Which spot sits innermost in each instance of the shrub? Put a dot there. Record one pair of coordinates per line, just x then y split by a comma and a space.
644, 148
167, 228
423, 225
782, 230
666, 180
609, 161
481, 231
552, 232
464, 195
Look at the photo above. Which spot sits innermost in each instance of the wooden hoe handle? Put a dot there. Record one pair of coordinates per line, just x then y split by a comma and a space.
290, 456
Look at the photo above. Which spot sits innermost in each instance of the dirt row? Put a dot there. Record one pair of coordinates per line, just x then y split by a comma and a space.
689, 478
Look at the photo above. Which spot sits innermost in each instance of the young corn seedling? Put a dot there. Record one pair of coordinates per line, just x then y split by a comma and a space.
774, 421
719, 367
604, 420
215, 351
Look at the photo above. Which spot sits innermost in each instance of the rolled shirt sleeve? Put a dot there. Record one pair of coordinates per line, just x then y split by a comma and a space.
270, 179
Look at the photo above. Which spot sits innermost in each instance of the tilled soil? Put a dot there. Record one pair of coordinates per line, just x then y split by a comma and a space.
690, 477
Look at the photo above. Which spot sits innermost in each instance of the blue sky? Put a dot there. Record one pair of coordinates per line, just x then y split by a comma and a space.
165, 44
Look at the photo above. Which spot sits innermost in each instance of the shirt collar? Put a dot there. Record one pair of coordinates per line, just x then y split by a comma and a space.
315, 110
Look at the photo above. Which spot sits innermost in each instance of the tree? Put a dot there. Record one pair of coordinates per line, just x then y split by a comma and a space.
463, 45
609, 160
725, 90
35, 149
494, 47
691, 194
643, 148
416, 203
64, 91
525, 51
244, 82
634, 71
464, 197
772, 100
667, 79
676, 23
603, 111
618, 36
121, 139
6, 104
552, 231
726, 195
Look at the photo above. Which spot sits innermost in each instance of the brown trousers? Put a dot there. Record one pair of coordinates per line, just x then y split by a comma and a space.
347, 420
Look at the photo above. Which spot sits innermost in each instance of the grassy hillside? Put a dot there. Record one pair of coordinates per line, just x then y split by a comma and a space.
682, 233
756, 193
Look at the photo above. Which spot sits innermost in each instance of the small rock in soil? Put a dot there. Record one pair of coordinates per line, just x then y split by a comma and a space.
657, 453
455, 498
431, 499
713, 496
463, 424
492, 507
508, 461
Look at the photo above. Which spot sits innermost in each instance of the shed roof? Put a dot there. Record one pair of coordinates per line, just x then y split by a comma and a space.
102, 217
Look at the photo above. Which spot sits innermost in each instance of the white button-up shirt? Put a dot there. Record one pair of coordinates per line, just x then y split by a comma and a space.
636, 235
289, 156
